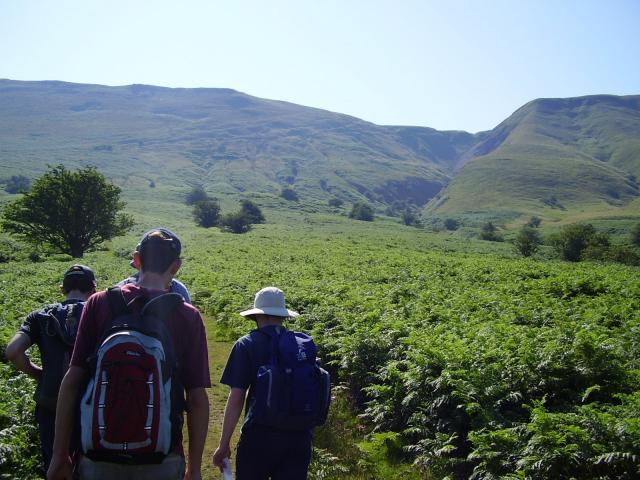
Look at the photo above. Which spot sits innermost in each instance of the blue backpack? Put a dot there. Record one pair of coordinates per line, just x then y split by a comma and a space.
292, 391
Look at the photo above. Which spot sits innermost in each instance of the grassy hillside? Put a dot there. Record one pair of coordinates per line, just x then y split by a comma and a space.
228, 141
553, 157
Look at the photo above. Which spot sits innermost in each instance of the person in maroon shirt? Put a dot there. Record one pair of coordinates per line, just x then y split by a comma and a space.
159, 257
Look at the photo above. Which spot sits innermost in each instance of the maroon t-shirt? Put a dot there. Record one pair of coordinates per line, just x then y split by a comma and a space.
185, 326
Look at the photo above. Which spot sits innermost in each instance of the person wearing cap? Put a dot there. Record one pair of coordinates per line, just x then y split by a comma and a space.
263, 452
159, 260
175, 286
53, 329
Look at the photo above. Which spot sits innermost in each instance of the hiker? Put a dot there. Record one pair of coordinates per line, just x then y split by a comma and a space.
174, 286
275, 440
53, 330
141, 348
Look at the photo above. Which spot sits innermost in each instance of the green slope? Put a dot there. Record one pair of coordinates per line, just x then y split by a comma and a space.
229, 141
553, 157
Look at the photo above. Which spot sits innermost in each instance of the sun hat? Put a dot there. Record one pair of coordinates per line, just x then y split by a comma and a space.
270, 301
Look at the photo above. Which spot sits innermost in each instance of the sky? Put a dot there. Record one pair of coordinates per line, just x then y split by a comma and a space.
449, 65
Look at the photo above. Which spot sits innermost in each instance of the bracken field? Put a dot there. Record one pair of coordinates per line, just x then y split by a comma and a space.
452, 358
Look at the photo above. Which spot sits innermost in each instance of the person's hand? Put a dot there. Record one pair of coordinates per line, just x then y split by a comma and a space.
222, 452
60, 469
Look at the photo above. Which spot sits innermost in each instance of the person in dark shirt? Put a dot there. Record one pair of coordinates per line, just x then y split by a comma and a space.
53, 329
263, 452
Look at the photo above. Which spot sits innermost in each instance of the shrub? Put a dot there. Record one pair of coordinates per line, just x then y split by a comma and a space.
289, 194
635, 235
362, 211
534, 222
572, 240
335, 202
411, 218
236, 222
197, 194
72, 211
451, 224
489, 233
252, 211
17, 184
207, 213
527, 241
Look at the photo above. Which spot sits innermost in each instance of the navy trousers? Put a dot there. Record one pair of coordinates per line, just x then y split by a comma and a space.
265, 453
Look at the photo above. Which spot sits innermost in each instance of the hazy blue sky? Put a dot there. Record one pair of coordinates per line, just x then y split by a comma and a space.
449, 65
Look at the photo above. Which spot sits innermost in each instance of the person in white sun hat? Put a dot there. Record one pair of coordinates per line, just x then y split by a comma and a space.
275, 442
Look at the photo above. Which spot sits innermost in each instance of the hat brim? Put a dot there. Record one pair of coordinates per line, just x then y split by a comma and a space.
277, 312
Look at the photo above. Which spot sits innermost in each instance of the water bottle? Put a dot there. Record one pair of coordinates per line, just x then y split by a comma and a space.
226, 470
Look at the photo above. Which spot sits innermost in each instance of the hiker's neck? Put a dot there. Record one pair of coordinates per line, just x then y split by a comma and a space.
269, 321
154, 281
77, 295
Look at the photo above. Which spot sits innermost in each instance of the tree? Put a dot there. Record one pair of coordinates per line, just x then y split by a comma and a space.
411, 218
72, 211
574, 239
489, 232
335, 202
534, 222
17, 184
527, 241
252, 211
289, 194
207, 213
635, 235
197, 194
451, 224
361, 211
236, 222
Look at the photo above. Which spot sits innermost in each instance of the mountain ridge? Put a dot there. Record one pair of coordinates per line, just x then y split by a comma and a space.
551, 155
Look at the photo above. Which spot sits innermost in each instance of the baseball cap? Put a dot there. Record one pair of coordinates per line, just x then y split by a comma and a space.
161, 236
78, 270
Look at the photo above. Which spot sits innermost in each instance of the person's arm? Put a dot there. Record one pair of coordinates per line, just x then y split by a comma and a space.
197, 425
60, 468
232, 413
16, 354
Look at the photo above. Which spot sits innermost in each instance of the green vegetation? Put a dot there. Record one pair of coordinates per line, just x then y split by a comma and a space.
70, 211
197, 194
289, 194
459, 356
362, 211
527, 241
252, 212
490, 233
235, 222
207, 213
17, 184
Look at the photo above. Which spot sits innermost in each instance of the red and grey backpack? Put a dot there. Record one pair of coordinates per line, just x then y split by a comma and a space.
132, 407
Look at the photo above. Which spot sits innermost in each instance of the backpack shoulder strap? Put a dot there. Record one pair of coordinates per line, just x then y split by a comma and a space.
117, 303
162, 306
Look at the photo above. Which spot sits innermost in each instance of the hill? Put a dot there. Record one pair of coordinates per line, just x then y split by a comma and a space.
554, 157
562, 159
224, 139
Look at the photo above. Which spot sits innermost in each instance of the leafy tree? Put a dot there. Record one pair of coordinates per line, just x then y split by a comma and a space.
411, 218
635, 235
289, 194
197, 194
335, 202
72, 211
207, 213
527, 241
489, 232
573, 240
362, 211
534, 222
451, 224
236, 222
17, 184
252, 211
